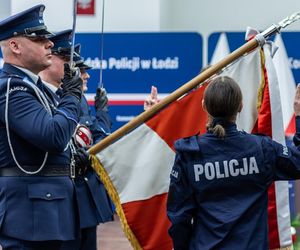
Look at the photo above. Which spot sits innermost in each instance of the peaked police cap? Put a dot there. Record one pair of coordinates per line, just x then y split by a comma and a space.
62, 43
29, 23
78, 59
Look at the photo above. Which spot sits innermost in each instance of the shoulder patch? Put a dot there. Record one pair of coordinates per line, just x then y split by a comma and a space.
18, 88
175, 174
285, 152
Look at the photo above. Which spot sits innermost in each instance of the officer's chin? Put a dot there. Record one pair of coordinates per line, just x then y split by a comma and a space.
46, 65
84, 87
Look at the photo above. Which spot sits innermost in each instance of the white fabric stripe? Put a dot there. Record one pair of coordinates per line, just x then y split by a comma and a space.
126, 96
245, 72
134, 160
281, 188
287, 85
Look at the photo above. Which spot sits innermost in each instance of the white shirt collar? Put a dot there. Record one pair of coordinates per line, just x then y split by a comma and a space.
33, 76
50, 86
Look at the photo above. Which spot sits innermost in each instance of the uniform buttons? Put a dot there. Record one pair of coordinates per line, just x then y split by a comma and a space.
86, 179
48, 195
87, 122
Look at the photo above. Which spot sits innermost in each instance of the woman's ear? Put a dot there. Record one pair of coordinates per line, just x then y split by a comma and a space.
240, 107
203, 105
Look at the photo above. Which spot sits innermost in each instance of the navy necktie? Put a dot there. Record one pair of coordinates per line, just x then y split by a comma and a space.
40, 84
42, 87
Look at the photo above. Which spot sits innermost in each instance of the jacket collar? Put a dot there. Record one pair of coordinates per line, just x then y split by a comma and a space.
10, 69
231, 128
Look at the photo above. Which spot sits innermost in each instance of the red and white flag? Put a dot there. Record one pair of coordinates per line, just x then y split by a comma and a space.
270, 122
136, 168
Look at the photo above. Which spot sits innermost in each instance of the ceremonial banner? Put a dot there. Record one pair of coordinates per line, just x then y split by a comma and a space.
136, 168
270, 122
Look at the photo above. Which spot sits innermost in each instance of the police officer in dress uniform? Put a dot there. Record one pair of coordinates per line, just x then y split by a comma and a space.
37, 205
218, 194
93, 203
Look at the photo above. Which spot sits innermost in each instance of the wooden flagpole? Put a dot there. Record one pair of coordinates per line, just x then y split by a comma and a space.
214, 69
138, 120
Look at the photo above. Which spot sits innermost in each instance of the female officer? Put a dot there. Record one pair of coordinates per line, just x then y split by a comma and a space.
218, 194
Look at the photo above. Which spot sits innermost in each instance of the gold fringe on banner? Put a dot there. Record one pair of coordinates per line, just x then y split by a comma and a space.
262, 81
112, 192
284, 248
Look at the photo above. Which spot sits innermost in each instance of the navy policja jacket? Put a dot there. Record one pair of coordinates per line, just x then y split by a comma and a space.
35, 208
218, 194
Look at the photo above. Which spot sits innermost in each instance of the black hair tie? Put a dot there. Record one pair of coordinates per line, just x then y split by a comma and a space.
219, 120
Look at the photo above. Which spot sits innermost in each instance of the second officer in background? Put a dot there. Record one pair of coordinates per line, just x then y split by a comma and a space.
93, 203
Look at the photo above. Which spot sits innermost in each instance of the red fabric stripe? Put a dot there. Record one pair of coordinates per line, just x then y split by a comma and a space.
291, 129
182, 118
274, 242
264, 126
147, 220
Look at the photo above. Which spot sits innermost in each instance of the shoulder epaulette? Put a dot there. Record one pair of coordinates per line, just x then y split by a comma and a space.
187, 144
198, 133
260, 134
12, 76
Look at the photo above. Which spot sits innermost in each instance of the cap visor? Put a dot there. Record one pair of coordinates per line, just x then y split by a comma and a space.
83, 66
44, 33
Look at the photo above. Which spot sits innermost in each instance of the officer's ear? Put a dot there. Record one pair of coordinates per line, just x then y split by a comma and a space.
203, 105
14, 45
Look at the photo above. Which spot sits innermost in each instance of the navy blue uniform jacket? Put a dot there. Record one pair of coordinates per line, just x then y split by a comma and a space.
218, 194
35, 208
93, 202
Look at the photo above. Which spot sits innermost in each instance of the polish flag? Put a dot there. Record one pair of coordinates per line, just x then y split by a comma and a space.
136, 168
270, 122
